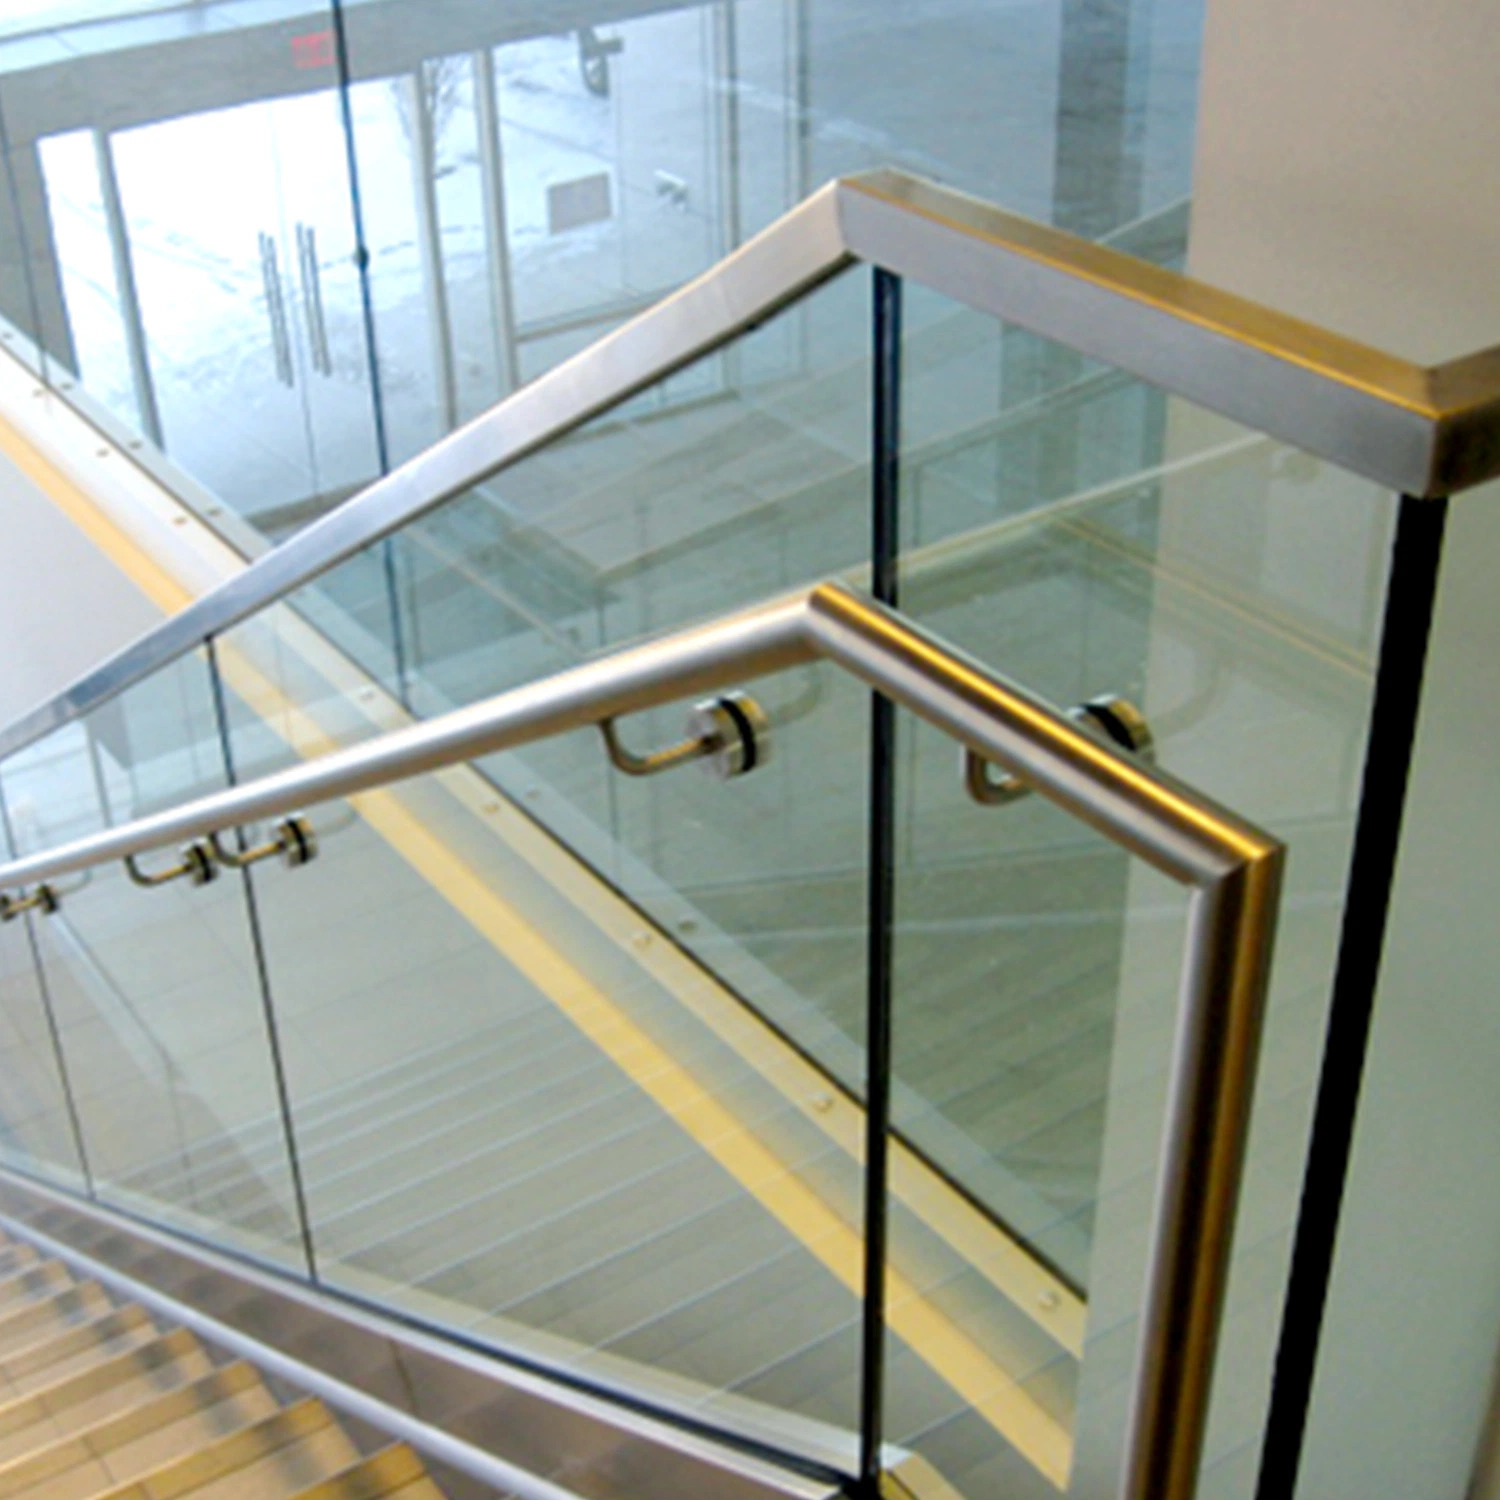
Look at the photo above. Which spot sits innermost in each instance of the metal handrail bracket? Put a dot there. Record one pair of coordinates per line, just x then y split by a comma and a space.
1232, 869
1418, 430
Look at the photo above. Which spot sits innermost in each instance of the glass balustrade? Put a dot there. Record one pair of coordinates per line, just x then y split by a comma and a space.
39, 1132
153, 980
575, 1061
1229, 591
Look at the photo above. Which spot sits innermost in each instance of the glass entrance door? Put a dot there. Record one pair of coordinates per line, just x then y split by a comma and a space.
249, 301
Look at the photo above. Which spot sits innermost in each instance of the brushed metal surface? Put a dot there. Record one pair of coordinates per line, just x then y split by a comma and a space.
1422, 431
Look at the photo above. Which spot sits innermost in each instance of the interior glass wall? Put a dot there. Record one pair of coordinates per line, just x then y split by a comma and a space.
281, 249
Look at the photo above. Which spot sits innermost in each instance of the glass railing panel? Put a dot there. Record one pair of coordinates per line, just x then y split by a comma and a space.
1231, 590
524, 1112
356, 608
737, 478
157, 991
521, 182
742, 475
37, 1127
528, 188
449, 877
1017, 945
676, 918
295, 694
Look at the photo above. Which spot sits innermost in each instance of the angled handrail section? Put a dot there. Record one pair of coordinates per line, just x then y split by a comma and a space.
1232, 870
1424, 431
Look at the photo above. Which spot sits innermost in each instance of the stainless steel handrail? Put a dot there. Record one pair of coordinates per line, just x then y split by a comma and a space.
1232, 869
1423, 431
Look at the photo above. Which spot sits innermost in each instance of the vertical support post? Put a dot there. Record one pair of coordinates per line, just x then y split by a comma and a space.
802, 99
1410, 600
367, 311
126, 292
1100, 84
731, 211
361, 243
885, 547
430, 245
496, 227
263, 978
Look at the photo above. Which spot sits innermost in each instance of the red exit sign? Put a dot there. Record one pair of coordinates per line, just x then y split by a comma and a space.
314, 49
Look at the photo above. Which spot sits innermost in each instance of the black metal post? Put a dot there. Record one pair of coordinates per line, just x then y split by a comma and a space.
1410, 598
885, 547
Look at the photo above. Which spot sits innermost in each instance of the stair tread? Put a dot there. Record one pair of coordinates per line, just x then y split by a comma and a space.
278, 1456
143, 1437
100, 1392
97, 1403
75, 1349
26, 1324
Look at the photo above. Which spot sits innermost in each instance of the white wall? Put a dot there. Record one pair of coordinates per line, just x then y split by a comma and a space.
1347, 171
63, 605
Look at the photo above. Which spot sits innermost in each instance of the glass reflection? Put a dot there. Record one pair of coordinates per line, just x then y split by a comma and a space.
285, 312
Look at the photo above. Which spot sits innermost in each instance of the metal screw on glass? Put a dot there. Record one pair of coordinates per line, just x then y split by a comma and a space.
1116, 719
195, 864
42, 899
730, 735
293, 839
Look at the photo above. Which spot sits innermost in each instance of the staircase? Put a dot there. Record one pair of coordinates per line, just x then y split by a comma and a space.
98, 1399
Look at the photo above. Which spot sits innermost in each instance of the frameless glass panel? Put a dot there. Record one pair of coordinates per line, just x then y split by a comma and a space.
37, 1131
1015, 930
1080, 115
609, 136
742, 475
404, 135
355, 606
550, 183
519, 1113
288, 677
663, 1186
156, 991
1229, 590
651, 516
